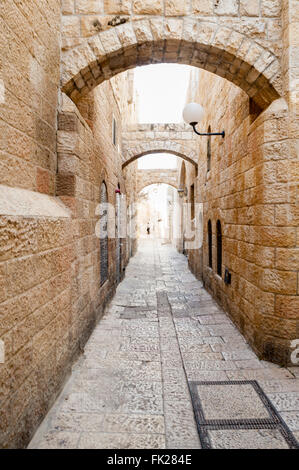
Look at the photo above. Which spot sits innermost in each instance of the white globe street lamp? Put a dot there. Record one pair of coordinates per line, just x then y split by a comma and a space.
192, 114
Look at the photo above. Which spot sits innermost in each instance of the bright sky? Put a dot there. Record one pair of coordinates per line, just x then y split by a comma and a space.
157, 160
162, 92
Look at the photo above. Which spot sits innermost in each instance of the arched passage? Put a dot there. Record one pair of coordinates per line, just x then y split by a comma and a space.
218, 49
147, 148
156, 176
153, 182
156, 207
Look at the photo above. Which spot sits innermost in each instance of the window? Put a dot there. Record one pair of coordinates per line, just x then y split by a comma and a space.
192, 201
209, 150
104, 234
114, 132
210, 243
219, 248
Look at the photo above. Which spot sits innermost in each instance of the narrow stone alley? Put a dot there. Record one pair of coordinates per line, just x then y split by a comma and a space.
162, 337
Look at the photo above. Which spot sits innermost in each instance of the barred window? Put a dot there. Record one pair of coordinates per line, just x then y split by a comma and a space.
210, 244
219, 248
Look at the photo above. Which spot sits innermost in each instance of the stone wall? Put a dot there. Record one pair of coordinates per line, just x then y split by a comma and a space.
240, 43
148, 177
260, 19
87, 156
143, 139
251, 188
50, 296
130, 177
36, 238
29, 83
185, 182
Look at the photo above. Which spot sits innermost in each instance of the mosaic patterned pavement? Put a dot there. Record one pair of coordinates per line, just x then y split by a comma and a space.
161, 337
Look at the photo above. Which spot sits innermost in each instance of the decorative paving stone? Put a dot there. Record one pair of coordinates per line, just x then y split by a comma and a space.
238, 355
57, 440
285, 401
121, 441
209, 365
235, 347
287, 385
133, 423
247, 439
207, 375
291, 418
212, 340
214, 319
216, 409
227, 402
203, 356
181, 429
77, 422
259, 374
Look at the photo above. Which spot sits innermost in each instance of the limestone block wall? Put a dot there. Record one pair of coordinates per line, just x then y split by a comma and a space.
130, 176
36, 237
86, 18
229, 38
148, 177
36, 256
195, 257
51, 290
87, 156
52, 163
252, 189
29, 83
143, 139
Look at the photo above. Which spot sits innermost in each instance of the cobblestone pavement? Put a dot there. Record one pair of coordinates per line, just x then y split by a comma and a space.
161, 331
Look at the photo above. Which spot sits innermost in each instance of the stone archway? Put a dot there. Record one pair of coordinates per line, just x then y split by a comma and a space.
147, 148
220, 49
148, 177
237, 54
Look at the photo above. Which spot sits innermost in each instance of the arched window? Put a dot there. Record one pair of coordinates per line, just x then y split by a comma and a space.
210, 244
219, 248
104, 234
209, 150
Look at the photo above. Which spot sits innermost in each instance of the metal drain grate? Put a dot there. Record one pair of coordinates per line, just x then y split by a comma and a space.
274, 422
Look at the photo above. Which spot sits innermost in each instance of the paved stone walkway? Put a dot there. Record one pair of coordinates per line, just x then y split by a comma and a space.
162, 331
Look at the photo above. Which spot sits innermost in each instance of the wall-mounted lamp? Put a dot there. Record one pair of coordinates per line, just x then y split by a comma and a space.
192, 114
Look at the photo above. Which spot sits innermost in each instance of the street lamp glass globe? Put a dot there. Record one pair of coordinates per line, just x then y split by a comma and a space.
193, 112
